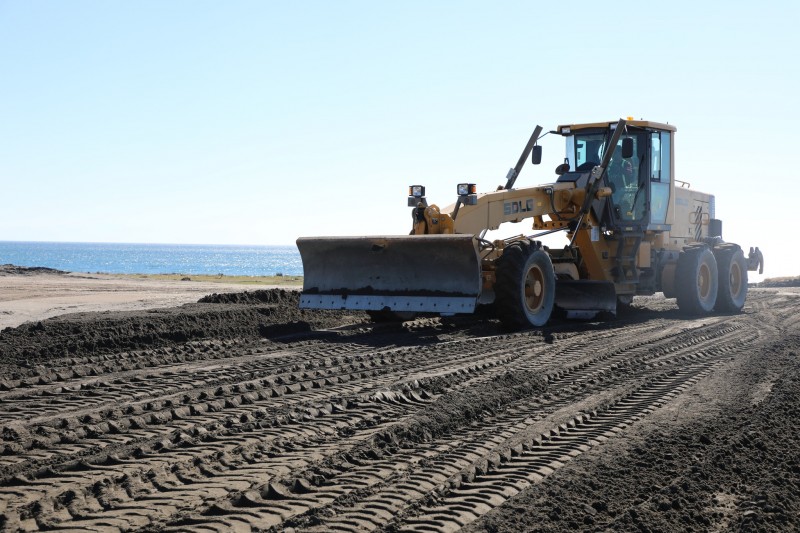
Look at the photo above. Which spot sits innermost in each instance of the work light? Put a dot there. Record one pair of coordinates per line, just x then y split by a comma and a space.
467, 188
417, 191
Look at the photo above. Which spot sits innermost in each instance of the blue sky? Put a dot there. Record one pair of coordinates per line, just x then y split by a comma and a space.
258, 122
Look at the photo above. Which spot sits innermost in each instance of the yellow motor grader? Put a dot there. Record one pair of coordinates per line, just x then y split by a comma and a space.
631, 229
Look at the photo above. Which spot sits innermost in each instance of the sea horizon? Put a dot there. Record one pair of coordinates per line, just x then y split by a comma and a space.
154, 258
142, 243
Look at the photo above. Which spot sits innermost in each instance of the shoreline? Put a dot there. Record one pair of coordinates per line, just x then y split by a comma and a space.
272, 281
277, 279
31, 294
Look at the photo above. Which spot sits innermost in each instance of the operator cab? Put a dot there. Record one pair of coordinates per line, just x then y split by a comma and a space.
638, 173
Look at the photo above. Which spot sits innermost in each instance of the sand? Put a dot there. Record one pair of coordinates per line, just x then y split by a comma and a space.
30, 295
243, 412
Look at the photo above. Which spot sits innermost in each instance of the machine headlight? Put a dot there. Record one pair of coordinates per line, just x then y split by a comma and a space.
465, 189
417, 191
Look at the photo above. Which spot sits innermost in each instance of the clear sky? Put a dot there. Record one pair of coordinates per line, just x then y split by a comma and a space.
258, 122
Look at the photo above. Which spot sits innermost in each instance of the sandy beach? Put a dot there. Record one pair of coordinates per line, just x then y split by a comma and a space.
36, 294
243, 412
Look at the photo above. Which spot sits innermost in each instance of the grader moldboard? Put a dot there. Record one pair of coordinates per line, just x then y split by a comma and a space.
632, 229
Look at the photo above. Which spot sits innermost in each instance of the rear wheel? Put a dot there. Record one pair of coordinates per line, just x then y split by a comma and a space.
732, 280
696, 281
525, 287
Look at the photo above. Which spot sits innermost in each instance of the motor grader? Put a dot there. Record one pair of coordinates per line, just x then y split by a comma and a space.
631, 229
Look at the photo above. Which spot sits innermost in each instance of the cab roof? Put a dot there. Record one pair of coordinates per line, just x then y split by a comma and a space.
636, 123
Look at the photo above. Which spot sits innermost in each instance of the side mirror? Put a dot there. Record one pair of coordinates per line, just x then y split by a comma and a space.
627, 148
536, 154
562, 169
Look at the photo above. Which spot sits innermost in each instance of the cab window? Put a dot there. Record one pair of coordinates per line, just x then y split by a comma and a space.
659, 176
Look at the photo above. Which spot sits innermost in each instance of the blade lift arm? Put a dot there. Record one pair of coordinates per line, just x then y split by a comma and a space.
513, 173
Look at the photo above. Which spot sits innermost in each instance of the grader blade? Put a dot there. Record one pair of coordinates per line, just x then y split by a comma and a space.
585, 298
421, 273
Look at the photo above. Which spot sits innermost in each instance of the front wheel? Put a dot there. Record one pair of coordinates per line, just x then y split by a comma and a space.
525, 287
696, 281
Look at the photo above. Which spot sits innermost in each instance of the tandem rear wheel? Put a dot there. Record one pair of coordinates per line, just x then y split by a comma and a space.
732, 269
697, 280
709, 281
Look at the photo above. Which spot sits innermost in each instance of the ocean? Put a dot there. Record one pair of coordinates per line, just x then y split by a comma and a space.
116, 258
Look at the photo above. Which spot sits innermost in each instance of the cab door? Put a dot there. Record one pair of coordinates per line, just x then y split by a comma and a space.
660, 186
627, 178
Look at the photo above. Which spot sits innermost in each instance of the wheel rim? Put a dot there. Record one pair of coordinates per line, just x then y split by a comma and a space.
534, 289
704, 281
735, 279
